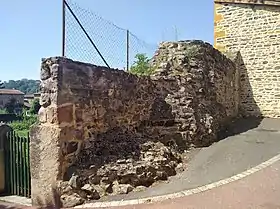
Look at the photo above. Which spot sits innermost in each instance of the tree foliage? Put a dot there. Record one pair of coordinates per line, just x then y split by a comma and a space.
141, 66
3, 111
35, 106
27, 86
22, 127
12, 106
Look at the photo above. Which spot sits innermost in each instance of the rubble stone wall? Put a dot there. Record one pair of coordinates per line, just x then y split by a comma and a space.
104, 131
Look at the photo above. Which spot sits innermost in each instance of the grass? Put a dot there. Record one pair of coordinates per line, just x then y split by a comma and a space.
22, 133
3, 111
22, 128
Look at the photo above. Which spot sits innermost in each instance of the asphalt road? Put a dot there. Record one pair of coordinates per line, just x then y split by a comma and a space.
260, 190
248, 146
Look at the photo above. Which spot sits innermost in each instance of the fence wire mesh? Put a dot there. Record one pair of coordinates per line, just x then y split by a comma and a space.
116, 45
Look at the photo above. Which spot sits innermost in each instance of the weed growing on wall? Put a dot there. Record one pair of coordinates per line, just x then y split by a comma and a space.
141, 66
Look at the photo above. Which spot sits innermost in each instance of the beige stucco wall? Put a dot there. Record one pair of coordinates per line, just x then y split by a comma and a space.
254, 30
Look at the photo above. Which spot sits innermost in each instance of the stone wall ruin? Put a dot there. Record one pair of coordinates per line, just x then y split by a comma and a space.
104, 131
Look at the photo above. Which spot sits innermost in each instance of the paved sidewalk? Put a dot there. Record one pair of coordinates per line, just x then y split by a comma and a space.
6, 205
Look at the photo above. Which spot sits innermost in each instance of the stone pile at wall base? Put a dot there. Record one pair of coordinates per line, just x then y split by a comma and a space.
111, 132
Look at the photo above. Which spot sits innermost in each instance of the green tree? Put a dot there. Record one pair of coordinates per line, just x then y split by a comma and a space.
35, 106
22, 127
11, 105
27, 86
141, 66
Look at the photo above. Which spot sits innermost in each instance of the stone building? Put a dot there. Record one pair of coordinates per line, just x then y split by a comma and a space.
7, 94
252, 28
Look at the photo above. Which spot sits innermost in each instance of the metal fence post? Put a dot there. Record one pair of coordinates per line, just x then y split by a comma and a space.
85, 32
63, 28
127, 50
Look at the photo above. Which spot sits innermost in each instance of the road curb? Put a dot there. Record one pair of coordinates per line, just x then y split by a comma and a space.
185, 192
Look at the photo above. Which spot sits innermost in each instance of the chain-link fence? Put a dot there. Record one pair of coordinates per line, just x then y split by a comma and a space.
90, 38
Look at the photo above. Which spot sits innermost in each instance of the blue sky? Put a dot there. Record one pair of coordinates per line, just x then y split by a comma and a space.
31, 30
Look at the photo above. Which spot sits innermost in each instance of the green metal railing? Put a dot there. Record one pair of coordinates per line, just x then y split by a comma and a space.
17, 165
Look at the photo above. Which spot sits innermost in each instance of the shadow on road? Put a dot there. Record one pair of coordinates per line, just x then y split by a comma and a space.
239, 126
247, 105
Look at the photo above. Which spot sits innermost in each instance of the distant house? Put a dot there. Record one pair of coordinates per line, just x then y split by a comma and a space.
28, 98
7, 94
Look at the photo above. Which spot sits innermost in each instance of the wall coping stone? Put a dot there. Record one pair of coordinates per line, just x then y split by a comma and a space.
252, 2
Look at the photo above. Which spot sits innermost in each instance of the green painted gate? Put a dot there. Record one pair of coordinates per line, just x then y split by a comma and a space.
17, 165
